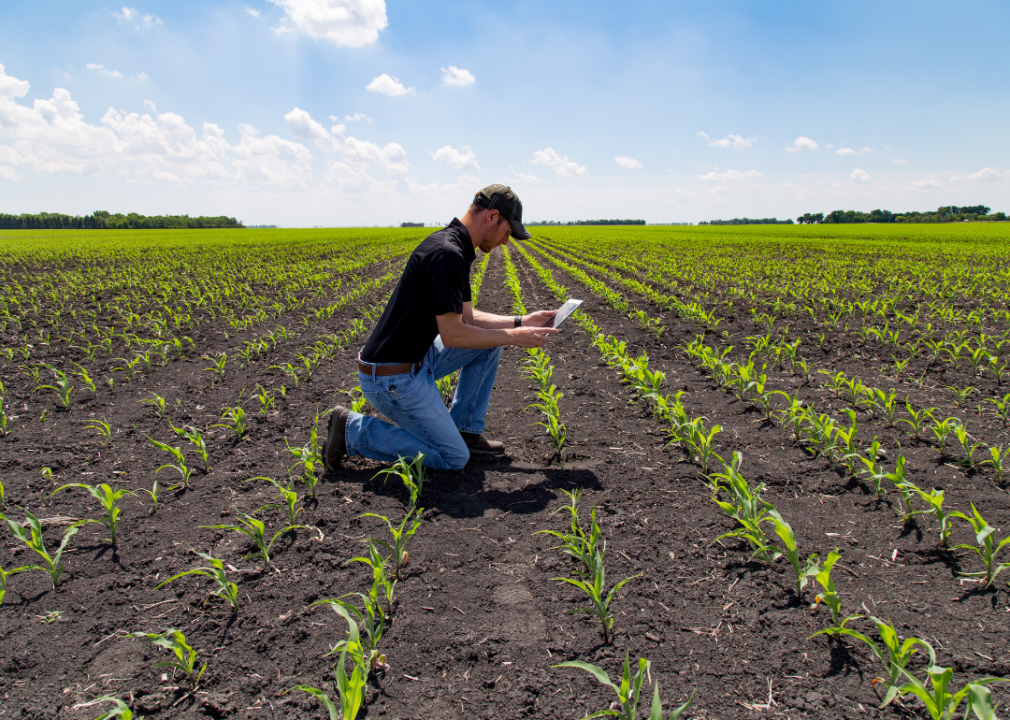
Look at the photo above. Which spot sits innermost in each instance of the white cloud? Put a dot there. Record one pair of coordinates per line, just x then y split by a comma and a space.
730, 176
252, 11
11, 87
130, 16
389, 85
926, 183
737, 141
363, 153
627, 162
452, 157
899, 161
142, 76
351, 118
150, 106
560, 165
987, 173
351, 23
860, 176
802, 143
523, 176
850, 151
457, 76
98, 67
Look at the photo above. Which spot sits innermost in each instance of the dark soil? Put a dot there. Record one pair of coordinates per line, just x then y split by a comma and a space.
479, 619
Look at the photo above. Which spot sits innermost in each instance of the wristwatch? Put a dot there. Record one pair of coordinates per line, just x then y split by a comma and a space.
518, 320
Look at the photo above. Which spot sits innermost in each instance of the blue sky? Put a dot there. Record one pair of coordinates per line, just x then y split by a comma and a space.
348, 112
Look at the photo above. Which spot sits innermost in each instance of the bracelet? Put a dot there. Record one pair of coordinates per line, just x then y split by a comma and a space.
518, 320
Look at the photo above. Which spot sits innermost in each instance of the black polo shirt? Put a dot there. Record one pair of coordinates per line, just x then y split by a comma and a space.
436, 281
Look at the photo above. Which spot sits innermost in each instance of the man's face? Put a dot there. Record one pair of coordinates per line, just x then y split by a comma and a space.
496, 232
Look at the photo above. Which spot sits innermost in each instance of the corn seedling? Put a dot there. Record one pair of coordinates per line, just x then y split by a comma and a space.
223, 588
411, 474
289, 500
254, 529
830, 597
594, 585
358, 401
401, 533
1002, 407
234, 420
217, 368
934, 503
196, 438
961, 432
121, 709
62, 386
873, 470
185, 656
103, 429
4, 574
905, 488
52, 564
290, 370
380, 578
892, 652
917, 420
371, 622
4, 418
628, 691
185, 472
986, 550
308, 456
747, 508
997, 459
85, 378
803, 569
157, 401
266, 400
941, 704
446, 387
109, 500
153, 494
942, 430
576, 543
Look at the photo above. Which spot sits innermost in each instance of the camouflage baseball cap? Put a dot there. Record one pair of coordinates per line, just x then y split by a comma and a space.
503, 199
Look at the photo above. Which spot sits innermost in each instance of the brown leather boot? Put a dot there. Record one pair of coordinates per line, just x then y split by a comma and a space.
335, 446
479, 445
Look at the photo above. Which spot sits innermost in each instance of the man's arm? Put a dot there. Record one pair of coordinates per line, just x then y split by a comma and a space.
490, 321
459, 334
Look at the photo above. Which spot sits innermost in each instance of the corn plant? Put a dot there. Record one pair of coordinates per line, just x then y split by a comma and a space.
873, 469
629, 690
85, 378
997, 459
234, 420
218, 367
109, 500
934, 504
829, 597
185, 472
62, 386
411, 474
309, 457
153, 494
380, 578
185, 656
917, 420
196, 438
548, 405
223, 588
892, 652
905, 488
351, 688
266, 400
961, 432
4, 574
1002, 407
254, 529
289, 500
941, 704
942, 430
121, 710
157, 401
577, 543
103, 429
803, 569
745, 505
446, 387
4, 418
358, 401
52, 564
371, 622
987, 550
289, 369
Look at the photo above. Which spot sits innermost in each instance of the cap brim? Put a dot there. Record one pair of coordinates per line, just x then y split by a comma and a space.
519, 231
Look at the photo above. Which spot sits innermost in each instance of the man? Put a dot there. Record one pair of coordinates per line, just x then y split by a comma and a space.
401, 361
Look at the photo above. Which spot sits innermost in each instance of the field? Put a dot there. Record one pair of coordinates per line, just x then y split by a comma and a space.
783, 431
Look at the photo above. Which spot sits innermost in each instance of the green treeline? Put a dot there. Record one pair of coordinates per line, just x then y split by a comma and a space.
946, 213
589, 222
102, 220
748, 221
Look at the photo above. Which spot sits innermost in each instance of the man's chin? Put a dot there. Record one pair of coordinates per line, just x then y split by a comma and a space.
486, 246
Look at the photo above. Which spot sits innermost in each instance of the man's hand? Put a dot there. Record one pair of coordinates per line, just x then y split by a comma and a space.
540, 318
531, 337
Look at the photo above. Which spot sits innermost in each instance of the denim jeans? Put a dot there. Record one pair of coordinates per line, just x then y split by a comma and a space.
414, 403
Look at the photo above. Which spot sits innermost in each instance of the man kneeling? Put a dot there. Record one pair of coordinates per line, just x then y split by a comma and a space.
401, 361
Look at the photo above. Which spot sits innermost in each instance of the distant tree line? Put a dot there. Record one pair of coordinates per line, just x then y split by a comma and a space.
748, 221
946, 213
410, 224
589, 222
103, 220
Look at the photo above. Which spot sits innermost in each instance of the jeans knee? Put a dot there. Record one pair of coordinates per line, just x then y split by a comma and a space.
457, 456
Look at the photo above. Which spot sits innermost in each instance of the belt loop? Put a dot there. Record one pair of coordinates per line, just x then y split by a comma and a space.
371, 365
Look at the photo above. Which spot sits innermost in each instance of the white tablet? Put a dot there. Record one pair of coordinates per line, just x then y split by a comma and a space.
565, 310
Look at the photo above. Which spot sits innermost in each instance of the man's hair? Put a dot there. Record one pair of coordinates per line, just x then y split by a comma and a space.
477, 208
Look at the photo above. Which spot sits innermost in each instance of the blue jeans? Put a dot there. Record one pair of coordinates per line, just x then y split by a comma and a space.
414, 403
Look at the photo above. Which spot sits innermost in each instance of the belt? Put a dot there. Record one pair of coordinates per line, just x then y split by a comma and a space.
382, 370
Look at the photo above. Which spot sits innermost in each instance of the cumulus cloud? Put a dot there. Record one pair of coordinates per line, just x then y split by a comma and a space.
802, 143
737, 141
130, 16
52, 136
926, 183
98, 67
627, 162
986, 173
730, 176
899, 161
389, 85
358, 154
452, 157
252, 11
351, 118
457, 76
350, 23
860, 176
560, 165
850, 151
523, 176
